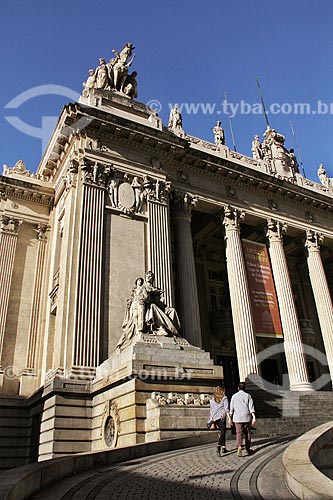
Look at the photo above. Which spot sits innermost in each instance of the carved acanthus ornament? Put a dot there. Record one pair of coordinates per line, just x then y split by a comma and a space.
275, 229
70, 177
10, 225
130, 193
231, 217
42, 230
313, 240
95, 173
183, 204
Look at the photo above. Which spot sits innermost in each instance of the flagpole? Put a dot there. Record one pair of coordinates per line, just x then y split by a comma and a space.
297, 148
262, 102
230, 123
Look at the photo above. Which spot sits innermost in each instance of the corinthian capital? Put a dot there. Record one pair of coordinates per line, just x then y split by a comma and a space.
183, 203
275, 229
231, 217
313, 240
41, 231
10, 225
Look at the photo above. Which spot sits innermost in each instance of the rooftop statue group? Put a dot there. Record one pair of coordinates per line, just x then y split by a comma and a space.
114, 74
147, 313
273, 149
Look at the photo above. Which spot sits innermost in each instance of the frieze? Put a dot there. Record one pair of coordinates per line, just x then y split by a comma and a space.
200, 142
173, 398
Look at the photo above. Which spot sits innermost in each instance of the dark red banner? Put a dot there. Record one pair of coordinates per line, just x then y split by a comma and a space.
264, 302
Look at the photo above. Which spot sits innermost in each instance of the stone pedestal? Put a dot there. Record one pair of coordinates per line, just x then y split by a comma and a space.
126, 381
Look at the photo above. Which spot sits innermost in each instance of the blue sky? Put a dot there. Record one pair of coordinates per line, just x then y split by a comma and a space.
186, 52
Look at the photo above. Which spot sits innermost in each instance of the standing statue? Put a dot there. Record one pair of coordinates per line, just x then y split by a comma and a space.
175, 118
323, 177
102, 75
218, 135
90, 83
256, 149
147, 313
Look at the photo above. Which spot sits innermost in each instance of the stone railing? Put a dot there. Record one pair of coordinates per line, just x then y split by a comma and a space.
302, 461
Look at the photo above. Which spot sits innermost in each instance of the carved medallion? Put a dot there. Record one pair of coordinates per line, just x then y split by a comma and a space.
126, 195
110, 431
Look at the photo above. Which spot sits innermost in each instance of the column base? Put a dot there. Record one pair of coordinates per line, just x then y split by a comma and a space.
302, 386
28, 382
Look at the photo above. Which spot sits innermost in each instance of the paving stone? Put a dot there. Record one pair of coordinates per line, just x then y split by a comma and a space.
187, 474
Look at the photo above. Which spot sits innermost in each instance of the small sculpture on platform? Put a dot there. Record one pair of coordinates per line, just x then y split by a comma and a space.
175, 118
147, 313
323, 177
219, 138
257, 151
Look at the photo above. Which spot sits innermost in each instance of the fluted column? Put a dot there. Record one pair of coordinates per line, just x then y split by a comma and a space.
244, 332
200, 257
321, 293
31, 363
293, 347
8, 239
188, 305
159, 247
87, 330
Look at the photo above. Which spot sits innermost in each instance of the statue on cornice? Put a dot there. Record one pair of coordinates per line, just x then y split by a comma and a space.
175, 119
256, 148
275, 152
147, 313
113, 76
218, 135
323, 177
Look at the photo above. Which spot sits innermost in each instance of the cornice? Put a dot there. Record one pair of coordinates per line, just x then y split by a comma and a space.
180, 153
23, 190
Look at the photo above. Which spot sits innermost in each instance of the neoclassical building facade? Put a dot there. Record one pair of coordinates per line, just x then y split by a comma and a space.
241, 247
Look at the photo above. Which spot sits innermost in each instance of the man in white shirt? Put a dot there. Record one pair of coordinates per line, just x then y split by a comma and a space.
243, 416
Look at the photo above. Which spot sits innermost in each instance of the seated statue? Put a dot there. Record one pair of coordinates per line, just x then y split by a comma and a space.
147, 313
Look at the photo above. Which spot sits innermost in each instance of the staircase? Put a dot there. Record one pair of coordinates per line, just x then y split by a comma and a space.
290, 413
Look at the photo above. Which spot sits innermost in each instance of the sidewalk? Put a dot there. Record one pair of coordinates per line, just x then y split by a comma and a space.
191, 473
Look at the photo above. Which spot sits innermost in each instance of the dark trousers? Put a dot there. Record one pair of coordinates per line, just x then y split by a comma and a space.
221, 425
243, 428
